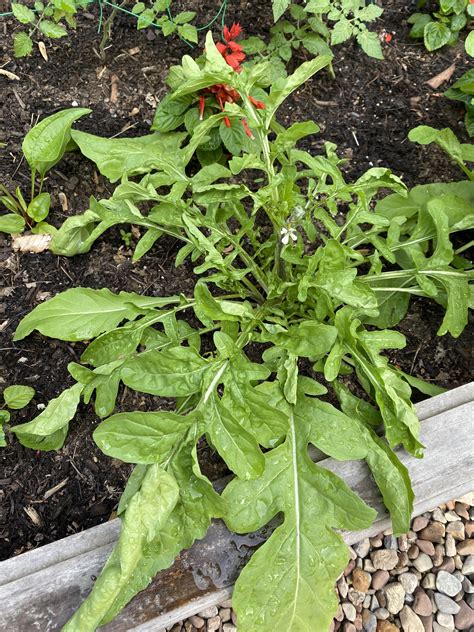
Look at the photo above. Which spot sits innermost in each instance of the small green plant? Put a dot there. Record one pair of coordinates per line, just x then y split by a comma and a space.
286, 293
461, 153
49, 19
442, 27
316, 26
43, 147
463, 90
14, 397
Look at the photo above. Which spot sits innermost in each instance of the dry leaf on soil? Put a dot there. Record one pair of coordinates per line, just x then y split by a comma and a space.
31, 243
437, 80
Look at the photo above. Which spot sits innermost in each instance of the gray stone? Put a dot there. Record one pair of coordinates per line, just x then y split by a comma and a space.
468, 566
438, 515
440, 628
423, 563
395, 594
448, 584
208, 613
456, 529
349, 627
409, 581
213, 624
197, 622
450, 546
446, 604
349, 611
390, 542
369, 621
229, 627
410, 621
362, 548
385, 559
445, 619
382, 614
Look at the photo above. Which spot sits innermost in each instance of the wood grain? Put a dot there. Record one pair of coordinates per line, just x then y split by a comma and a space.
39, 590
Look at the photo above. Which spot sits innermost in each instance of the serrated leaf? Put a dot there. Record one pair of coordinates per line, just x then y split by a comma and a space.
22, 44
436, 35
52, 29
17, 396
22, 13
370, 43
188, 32
279, 7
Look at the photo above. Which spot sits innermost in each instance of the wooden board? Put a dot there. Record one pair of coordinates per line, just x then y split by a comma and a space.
39, 590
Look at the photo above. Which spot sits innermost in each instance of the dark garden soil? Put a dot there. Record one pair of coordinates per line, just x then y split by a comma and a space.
367, 110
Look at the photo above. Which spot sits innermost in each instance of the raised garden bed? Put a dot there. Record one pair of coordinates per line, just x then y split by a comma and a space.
44, 587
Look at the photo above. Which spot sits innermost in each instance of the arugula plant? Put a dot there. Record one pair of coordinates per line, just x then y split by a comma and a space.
316, 26
463, 90
43, 147
15, 397
442, 27
291, 288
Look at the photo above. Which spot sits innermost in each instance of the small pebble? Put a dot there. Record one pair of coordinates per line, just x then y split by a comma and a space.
213, 624
395, 594
349, 611
410, 621
450, 546
456, 529
369, 621
197, 621
208, 613
464, 619
409, 581
434, 532
362, 548
445, 619
426, 546
385, 559
361, 580
465, 548
448, 584
419, 523
446, 604
386, 626
423, 563
422, 604
379, 579
429, 581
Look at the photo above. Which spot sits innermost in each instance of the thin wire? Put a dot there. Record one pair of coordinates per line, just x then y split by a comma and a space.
222, 9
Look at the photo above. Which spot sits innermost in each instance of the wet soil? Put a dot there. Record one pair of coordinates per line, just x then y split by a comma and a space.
367, 110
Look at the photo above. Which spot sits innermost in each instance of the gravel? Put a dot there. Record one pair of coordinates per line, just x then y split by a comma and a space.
418, 582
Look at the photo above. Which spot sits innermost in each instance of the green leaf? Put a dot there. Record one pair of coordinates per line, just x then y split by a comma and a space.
369, 13
169, 113
445, 138
304, 556
146, 516
436, 35
341, 32
141, 437
469, 44
48, 430
235, 445
189, 32
279, 7
307, 339
52, 29
17, 396
116, 157
11, 223
370, 43
38, 208
283, 87
419, 21
22, 44
23, 13
78, 314
4, 418
174, 372
46, 142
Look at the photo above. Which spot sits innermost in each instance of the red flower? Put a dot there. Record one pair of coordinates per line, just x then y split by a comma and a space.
202, 105
247, 129
260, 105
234, 31
227, 121
388, 36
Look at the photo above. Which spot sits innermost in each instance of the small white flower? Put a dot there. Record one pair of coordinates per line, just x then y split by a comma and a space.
287, 234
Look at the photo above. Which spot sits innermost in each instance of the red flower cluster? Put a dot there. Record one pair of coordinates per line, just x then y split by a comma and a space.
233, 54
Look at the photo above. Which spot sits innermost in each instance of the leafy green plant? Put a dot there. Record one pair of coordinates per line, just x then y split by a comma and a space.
461, 153
43, 147
14, 397
442, 27
286, 294
316, 26
49, 19
463, 90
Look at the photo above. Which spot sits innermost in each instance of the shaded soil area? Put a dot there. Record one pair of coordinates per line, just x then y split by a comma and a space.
367, 110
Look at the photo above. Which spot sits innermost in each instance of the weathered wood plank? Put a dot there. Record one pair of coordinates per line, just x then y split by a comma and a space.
39, 590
